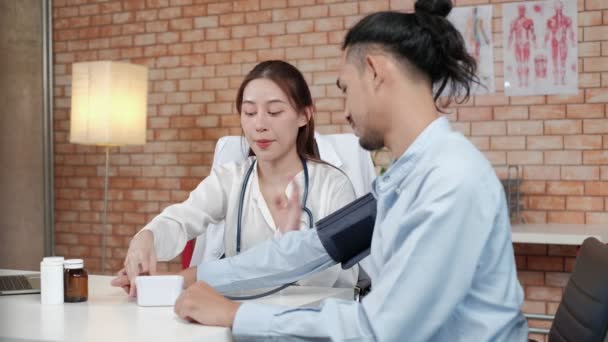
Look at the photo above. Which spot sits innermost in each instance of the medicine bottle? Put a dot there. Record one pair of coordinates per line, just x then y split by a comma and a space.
75, 281
51, 280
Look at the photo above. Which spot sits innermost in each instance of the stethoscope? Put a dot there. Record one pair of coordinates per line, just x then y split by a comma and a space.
242, 200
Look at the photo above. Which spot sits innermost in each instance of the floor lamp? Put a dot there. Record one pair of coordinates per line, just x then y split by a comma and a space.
109, 102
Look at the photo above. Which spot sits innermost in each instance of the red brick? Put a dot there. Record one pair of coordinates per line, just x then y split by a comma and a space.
524, 157
595, 126
563, 127
258, 17
528, 100
565, 99
531, 278
585, 203
510, 113
243, 31
546, 202
544, 142
217, 33
542, 172
319, 11
269, 4
488, 128
148, 15
527, 127
583, 142
580, 173
232, 19
245, 6
157, 26
329, 24
529, 249
343, 9
596, 218
545, 263
596, 188
595, 157
194, 11
533, 187
585, 110
596, 95
373, 6
548, 112
206, 22
287, 14
563, 157
327, 51
181, 24
544, 293
563, 217
533, 307
316, 38
475, 114
508, 143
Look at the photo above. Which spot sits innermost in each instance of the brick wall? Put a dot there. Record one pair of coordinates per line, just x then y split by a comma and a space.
198, 52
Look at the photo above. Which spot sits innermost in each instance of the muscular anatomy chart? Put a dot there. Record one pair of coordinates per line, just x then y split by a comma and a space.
539, 46
475, 26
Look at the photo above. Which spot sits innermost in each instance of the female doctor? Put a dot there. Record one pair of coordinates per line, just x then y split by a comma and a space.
276, 112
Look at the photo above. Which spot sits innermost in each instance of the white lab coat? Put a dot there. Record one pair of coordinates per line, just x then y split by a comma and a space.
217, 199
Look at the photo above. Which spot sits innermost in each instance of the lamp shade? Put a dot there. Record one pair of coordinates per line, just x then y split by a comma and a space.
109, 101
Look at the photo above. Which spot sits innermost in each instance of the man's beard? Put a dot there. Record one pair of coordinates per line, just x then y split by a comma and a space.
372, 140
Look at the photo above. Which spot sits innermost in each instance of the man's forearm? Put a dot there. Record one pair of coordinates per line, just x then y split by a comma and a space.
272, 263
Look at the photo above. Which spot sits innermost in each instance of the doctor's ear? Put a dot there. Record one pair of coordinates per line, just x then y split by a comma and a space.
305, 116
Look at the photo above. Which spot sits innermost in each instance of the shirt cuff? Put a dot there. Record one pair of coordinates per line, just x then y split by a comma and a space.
254, 320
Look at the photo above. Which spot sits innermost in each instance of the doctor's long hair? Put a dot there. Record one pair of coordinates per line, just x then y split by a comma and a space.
292, 83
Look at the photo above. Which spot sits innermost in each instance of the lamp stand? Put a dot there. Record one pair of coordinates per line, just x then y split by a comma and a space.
104, 217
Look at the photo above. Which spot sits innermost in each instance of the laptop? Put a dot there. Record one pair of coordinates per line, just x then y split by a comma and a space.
19, 284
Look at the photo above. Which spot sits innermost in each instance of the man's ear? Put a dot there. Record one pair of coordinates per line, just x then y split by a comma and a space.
375, 64
305, 116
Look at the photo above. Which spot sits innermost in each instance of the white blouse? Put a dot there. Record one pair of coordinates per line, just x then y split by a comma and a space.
217, 199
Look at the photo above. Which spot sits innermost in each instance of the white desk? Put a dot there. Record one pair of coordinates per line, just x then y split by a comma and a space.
110, 316
558, 234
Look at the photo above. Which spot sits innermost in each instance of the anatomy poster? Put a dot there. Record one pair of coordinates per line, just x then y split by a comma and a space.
475, 26
540, 47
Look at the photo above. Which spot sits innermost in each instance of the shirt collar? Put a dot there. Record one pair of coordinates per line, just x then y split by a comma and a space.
326, 151
402, 166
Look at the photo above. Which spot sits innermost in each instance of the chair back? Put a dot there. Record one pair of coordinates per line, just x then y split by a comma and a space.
582, 315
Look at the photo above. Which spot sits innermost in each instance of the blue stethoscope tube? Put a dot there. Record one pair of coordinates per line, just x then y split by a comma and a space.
242, 200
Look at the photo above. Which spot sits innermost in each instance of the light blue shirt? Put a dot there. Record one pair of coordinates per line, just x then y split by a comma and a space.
441, 263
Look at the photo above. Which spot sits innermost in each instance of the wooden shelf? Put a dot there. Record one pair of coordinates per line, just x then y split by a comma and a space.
558, 234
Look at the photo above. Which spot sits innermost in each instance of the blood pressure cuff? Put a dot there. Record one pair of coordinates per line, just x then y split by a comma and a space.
347, 233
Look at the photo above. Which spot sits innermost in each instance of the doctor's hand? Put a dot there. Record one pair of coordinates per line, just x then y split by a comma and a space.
141, 259
201, 303
122, 280
291, 210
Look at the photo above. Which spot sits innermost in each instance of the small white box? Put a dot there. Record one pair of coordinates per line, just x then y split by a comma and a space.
161, 290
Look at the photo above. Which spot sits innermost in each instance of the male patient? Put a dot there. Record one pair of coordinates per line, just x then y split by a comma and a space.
442, 264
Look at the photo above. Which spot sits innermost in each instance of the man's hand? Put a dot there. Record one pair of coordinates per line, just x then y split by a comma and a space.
202, 304
141, 259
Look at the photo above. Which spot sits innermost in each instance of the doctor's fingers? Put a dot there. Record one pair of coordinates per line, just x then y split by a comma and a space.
121, 279
132, 266
148, 263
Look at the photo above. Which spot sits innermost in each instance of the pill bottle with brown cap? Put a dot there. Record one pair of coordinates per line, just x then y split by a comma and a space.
75, 281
